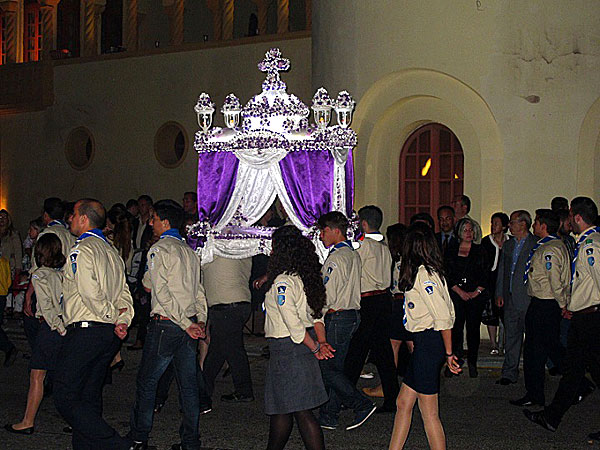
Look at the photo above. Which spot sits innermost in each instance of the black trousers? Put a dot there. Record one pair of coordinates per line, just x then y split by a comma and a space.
583, 351
226, 324
470, 312
542, 341
79, 378
373, 335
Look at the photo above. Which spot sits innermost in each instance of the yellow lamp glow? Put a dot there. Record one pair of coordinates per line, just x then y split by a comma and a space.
426, 168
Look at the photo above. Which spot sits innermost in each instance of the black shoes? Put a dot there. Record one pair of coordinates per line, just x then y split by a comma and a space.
27, 431
10, 357
538, 417
158, 407
583, 393
594, 437
473, 373
505, 381
523, 401
139, 446
234, 397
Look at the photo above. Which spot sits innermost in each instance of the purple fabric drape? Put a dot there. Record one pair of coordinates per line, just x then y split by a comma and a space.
308, 179
349, 184
217, 174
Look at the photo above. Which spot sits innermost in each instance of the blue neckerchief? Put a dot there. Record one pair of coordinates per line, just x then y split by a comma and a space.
579, 242
341, 245
57, 222
97, 232
172, 233
538, 244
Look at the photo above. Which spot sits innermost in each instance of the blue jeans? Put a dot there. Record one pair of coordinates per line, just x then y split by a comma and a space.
339, 328
164, 343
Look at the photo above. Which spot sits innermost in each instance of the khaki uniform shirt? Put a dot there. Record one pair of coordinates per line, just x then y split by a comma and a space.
287, 311
376, 265
550, 272
47, 284
341, 275
66, 240
174, 277
586, 282
428, 303
227, 280
94, 288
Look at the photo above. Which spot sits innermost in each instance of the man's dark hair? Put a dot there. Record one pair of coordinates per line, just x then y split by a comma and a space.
55, 208
563, 214
334, 220
586, 208
549, 218
131, 202
372, 215
145, 197
94, 211
423, 217
192, 193
69, 210
466, 201
48, 251
170, 210
504, 219
559, 203
445, 208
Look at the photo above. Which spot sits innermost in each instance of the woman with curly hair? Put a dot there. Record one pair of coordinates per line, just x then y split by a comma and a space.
429, 315
295, 299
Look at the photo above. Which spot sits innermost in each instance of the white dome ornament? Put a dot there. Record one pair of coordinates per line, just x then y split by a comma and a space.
204, 109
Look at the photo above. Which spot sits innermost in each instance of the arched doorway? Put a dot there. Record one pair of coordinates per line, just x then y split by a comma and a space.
431, 171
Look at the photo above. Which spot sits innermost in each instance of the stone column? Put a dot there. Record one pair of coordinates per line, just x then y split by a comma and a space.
48, 9
9, 8
91, 26
217, 14
175, 11
308, 12
227, 19
283, 16
262, 9
131, 25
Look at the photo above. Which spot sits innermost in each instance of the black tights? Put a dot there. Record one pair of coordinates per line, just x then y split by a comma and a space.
280, 428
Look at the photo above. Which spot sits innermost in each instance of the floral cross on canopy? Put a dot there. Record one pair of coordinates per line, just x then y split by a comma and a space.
272, 65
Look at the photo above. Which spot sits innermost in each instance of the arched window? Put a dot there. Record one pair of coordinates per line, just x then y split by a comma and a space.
32, 38
431, 171
2, 39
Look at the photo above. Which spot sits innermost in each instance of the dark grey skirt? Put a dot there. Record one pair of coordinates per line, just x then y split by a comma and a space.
293, 381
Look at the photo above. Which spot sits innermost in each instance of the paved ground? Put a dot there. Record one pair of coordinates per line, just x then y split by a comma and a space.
475, 413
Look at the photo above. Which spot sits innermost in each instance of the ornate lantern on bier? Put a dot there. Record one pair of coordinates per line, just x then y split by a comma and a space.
204, 109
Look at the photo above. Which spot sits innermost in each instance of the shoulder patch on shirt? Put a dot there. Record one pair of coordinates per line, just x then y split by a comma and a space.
589, 251
410, 305
73, 257
591, 261
325, 280
281, 289
281, 299
548, 257
548, 265
429, 286
589, 241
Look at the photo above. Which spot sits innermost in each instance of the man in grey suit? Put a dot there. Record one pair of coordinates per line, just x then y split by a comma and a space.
511, 291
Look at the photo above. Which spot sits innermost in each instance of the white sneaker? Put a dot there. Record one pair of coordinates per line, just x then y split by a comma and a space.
367, 375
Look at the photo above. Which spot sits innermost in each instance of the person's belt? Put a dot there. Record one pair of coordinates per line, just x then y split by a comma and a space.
223, 306
398, 296
544, 299
41, 319
159, 317
373, 293
89, 324
588, 310
331, 311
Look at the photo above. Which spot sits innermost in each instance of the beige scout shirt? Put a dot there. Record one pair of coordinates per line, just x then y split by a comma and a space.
94, 288
66, 240
341, 276
47, 284
586, 282
428, 303
174, 276
376, 263
287, 311
550, 272
227, 280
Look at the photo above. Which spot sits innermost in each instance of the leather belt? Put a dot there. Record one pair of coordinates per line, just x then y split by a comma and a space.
89, 324
398, 296
223, 306
331, 311
373, 293
159, 317
588, 310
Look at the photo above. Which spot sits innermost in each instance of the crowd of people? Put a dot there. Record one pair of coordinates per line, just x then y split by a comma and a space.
87, 275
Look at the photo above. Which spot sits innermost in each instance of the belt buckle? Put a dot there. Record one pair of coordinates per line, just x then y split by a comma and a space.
85, 324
